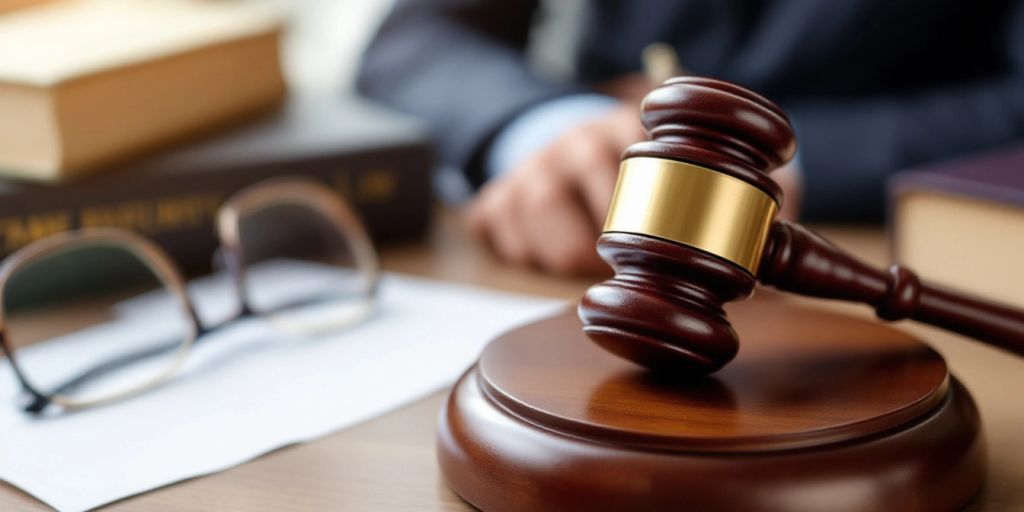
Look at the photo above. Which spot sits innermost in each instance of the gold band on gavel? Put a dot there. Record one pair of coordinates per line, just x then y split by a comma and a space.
694, 206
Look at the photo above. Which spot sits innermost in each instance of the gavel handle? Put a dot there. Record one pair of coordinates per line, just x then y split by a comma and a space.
798, 260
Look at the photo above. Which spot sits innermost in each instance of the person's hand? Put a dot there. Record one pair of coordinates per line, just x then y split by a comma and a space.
548, 211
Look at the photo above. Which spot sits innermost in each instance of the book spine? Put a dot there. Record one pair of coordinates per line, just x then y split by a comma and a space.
389, 189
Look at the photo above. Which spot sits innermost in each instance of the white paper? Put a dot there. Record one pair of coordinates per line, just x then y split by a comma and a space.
249, 389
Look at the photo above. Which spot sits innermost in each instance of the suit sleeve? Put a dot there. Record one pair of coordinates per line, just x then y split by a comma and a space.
848, 149
458, 64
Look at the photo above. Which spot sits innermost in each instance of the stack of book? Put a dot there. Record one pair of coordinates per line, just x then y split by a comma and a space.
146, 115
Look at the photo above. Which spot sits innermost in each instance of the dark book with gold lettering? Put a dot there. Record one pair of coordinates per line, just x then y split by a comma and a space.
377, 159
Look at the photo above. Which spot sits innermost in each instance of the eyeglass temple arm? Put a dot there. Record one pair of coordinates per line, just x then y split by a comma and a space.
39, 402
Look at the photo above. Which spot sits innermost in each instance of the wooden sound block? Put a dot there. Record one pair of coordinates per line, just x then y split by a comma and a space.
819, 412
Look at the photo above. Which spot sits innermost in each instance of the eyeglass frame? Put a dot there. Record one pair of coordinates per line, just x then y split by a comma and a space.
254, 198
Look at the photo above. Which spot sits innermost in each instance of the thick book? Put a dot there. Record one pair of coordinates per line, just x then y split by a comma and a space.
85, 84
377, 159
961, 224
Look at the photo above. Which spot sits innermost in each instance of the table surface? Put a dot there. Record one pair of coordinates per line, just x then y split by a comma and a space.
388, 463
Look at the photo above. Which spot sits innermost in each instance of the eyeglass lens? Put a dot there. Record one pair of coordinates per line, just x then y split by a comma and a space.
301, 270
91, 322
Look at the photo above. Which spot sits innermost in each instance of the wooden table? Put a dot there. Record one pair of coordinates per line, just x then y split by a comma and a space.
388, 463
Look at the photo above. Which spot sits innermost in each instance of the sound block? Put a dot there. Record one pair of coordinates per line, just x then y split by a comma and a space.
819, 412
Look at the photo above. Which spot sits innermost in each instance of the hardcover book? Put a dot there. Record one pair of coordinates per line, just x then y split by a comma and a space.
377, 159
961, 224
85, 84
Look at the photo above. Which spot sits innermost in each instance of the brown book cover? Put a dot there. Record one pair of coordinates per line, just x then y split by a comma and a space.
376, 158
961, 223
85, 85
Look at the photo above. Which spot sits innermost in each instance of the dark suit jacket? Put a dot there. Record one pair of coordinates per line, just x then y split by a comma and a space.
872, 86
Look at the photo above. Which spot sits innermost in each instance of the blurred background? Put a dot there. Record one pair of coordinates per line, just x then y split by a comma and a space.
325, 40
149, 115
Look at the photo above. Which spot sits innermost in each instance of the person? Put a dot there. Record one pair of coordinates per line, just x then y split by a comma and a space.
871, 87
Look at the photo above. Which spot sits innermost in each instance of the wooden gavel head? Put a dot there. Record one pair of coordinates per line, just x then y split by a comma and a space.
692, 226
688, 225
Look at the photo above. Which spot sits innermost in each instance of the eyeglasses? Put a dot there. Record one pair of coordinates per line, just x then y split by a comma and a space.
96, 315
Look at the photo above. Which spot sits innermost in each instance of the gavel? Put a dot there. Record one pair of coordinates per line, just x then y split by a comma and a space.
692, 226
